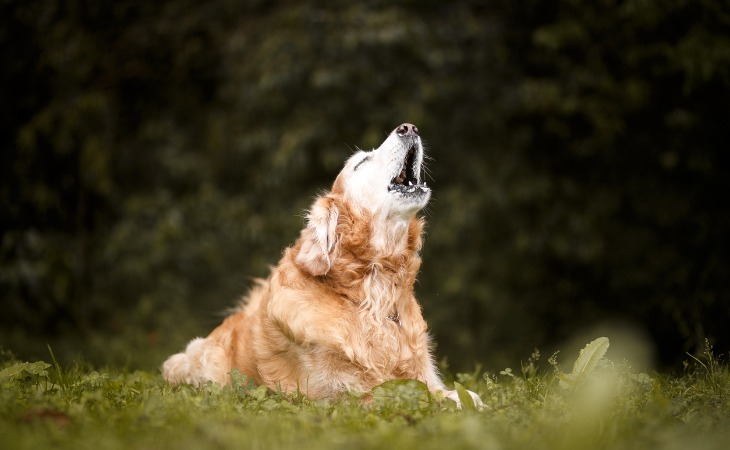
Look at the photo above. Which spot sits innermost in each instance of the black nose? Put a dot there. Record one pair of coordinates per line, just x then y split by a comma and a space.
407, 129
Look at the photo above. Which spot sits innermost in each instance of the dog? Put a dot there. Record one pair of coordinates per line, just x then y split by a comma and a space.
338, 313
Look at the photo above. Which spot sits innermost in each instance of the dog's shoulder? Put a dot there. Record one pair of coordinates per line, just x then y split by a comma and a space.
303, 308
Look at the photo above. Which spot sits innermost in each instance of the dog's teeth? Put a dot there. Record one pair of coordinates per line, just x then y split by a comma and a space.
425, 184
410, 183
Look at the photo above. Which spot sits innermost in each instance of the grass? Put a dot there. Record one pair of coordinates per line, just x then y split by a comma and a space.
599, 404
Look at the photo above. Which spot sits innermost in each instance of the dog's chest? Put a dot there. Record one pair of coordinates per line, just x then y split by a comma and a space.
385, 330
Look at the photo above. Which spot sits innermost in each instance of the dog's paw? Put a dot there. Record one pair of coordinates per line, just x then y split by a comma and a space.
454, 396
203, 360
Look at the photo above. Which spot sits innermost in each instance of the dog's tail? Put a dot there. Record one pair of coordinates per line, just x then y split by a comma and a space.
203, 360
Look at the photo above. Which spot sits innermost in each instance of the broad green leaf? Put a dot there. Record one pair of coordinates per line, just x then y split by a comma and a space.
402, 393
589, 356
399, 384
467, 403
259, 393
13, 372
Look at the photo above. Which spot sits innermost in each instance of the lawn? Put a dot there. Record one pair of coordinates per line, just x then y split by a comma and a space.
598, 404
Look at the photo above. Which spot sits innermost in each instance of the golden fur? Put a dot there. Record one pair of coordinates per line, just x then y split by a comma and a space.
338, 312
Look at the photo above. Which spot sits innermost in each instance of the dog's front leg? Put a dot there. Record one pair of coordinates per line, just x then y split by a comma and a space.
203, 360
434, 383
453, 395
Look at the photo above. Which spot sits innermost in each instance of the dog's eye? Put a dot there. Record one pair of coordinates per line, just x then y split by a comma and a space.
365, 159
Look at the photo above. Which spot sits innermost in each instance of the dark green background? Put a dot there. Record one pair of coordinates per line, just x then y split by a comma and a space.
156, 155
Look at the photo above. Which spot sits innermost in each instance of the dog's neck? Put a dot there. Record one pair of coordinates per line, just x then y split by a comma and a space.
373, 260
390, 235
388, 269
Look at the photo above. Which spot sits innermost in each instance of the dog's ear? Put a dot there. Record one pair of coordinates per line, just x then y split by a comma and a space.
319, 238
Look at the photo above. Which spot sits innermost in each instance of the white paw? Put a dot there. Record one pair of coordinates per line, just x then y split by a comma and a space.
453, 395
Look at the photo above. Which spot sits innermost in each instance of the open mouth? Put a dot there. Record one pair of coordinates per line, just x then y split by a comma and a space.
408, 179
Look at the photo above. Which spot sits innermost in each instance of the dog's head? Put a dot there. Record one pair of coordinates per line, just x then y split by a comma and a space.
387, 180
379, 191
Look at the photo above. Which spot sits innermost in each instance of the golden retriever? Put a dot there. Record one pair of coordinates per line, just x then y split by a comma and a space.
337, 313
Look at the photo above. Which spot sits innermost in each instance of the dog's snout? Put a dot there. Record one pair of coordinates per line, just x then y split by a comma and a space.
407, 129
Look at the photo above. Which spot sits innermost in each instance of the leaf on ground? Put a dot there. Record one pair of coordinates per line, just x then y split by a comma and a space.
395, 387
401, 393
16, 370
259, 393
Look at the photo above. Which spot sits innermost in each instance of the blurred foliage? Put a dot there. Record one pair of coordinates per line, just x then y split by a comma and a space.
157, 155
